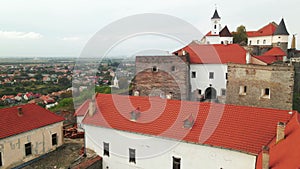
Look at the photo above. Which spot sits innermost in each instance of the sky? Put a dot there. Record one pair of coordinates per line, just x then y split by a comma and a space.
62, 28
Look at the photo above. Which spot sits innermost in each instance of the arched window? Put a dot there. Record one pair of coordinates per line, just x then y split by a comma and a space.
215, 27
154, 69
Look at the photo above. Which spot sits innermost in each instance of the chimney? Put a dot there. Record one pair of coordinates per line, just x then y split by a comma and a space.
280, 131
169, 96
92, 107
20, 111
248, 57
136, 93
265, 157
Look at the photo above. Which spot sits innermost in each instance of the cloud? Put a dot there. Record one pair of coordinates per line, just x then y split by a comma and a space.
19, 35
70, 38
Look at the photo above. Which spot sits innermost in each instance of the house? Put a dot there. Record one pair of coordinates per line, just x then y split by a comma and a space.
271, 35
208, 68
27, 132
217, 34
274, 55
80, 112
283, 151
150, 132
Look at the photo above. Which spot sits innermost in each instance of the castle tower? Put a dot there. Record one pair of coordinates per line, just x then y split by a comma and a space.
281, 36
216, 23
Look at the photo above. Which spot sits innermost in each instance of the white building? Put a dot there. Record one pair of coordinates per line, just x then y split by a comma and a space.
208, 67
146, 132
217, 34
80, 113
270, 35
28, 132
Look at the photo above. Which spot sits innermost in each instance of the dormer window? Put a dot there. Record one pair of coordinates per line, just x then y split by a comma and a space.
154, 69
189, 122
135, 114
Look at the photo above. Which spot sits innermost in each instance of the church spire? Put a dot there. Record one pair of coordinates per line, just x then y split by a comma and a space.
216, 15
281, 29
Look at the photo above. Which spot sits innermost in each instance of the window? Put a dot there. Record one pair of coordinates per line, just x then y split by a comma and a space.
199, 91
154, 69
222, 42
243, 90
1, 159
250, 42
28, 149
105, 149
211, 75
266, 93
132, 155
226, 76
264, 42
223, 92
193, 74
54, 139
257, 41
173, 68
176, 163
215, 27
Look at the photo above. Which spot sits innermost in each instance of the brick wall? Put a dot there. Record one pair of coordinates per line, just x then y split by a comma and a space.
172, 75
279, 79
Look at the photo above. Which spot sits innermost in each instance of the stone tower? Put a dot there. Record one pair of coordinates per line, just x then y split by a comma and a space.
281, 36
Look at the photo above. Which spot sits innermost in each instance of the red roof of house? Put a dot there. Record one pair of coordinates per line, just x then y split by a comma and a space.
210, 34
267, 30
269, 59
215, 54
239, 128
33, 117
271, 56
277, 51
82, 109
286, 153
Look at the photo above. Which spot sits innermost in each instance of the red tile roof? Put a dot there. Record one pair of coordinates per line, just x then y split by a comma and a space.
269, 59
215, 54
275, 51
83, 109
210, 34
267, 30
33, 117
271, 56
286, 153
240, 128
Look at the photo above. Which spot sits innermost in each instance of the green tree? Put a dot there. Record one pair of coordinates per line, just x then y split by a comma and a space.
240, 36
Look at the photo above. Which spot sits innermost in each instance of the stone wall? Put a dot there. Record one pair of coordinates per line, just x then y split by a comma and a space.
162, 75
278, 79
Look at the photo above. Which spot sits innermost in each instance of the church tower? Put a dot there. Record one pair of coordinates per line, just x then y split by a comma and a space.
216, 23
281, 36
